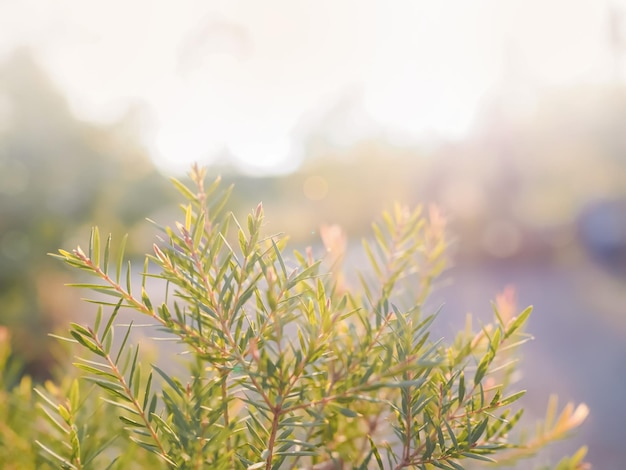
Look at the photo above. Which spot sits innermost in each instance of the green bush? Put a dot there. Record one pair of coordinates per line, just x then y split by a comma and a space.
287, 366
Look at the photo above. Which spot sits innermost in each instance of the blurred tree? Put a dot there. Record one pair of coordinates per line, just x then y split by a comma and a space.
56, 172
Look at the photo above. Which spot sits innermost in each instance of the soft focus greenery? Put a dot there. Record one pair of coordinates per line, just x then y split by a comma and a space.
287, 364
56, 174
515, 187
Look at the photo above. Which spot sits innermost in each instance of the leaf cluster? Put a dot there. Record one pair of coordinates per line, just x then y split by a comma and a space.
289, 366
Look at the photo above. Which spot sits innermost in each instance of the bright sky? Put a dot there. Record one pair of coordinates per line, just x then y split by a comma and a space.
251, 78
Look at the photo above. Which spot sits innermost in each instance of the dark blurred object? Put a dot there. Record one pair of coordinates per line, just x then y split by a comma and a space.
602, 229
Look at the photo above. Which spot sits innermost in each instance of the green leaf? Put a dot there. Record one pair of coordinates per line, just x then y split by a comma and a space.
347, 412
81, 330
184, 190
372, 259
455, 465
74, 395
518, 322
120, 405
255, 435
243, 298
483, 366
461, 388
66, 463
131, 422
154, 449
128, 282
87, 343
478, 431
123, 345
94, 246
96, 326
198, 231
279, 257
164, 426
43, 396
107, 327
168, 379
374, 451
495, 340
134, 377
146, 300
113, 388
53, 419
440, 437
512, 398
305, 274
94, 370
120, 259
429, 447
107, 250
512, 422
453, 438
476, 456
216, 207
188, 217
496, 398
146, 395
94, 453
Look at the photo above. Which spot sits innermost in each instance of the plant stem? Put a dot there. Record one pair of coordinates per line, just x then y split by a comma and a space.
129, 394
229, 444
272, 442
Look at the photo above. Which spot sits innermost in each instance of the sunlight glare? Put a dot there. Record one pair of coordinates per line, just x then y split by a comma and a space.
237, 77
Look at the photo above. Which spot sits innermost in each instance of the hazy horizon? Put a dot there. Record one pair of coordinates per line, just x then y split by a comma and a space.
250, 80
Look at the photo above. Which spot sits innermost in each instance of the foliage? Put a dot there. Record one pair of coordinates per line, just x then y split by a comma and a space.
290, 367
67, 412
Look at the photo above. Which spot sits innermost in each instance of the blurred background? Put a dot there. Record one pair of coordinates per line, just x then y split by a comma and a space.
510, 115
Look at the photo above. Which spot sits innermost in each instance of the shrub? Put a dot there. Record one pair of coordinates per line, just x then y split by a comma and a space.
288, 366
